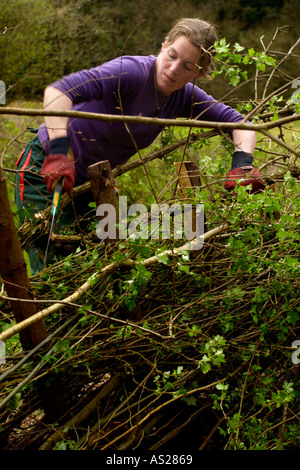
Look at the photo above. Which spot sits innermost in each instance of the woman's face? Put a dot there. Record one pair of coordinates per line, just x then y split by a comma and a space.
176, 65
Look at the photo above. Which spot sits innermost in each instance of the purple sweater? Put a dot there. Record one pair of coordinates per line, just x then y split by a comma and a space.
130, 78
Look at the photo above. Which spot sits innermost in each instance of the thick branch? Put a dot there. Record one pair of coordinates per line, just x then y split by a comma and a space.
152, 121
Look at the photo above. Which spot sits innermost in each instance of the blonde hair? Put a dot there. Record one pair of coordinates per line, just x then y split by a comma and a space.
202, 35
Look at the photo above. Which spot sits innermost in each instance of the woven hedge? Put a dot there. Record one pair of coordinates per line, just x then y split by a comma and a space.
151, 345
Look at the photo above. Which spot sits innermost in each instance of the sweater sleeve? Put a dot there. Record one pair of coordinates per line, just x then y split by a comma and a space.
207, 108
106, 79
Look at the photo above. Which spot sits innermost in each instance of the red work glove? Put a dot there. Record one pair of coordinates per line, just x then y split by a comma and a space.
246, 176
58, 166
242, 170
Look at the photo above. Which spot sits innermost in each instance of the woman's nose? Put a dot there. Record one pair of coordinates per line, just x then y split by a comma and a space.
174, 67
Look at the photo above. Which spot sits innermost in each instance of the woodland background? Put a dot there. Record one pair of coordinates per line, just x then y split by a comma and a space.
144, 347
45, 40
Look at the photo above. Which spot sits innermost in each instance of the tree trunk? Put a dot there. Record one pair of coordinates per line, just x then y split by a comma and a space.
13, 271
14, 274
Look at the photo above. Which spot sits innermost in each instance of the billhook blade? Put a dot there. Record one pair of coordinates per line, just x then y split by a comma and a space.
54, 210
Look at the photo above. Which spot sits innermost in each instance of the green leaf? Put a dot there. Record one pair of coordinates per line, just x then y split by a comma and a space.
163, 258
238, 47
190, 400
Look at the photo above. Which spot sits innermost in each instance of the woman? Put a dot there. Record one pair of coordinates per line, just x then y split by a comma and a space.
150, 86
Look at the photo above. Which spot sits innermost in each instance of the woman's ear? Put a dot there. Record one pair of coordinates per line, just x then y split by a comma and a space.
199, 72
164, 45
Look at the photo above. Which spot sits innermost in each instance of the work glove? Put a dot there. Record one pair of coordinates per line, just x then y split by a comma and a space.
242, 170
58, 166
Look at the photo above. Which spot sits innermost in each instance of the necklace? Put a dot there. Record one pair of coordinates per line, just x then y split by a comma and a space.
163, 101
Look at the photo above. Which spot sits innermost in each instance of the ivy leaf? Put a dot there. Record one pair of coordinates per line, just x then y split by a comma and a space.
190, 401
